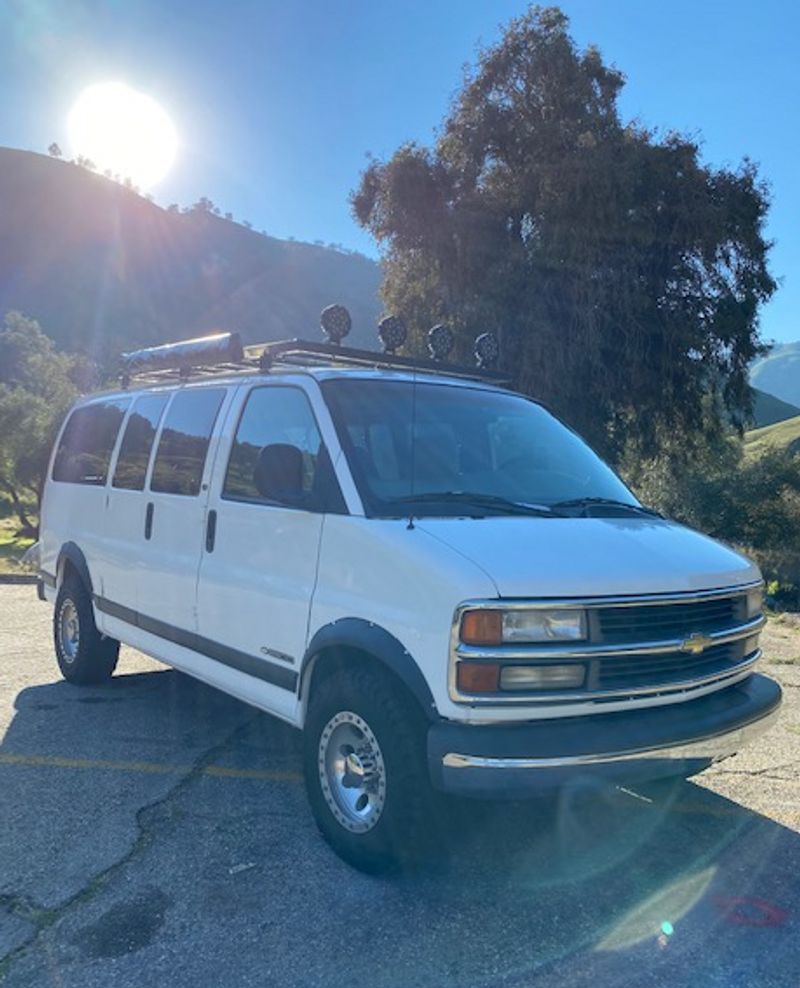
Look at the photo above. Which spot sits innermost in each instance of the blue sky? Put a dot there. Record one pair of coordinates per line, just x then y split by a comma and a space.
277, 102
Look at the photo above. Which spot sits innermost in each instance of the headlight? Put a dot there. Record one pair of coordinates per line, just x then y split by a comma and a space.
755, 602
494, 626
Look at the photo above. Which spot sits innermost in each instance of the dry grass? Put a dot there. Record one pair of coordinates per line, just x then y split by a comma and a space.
781, 639
12, 548
781, 435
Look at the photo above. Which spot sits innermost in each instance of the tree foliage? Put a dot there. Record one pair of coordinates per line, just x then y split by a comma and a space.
751, 501
622, 275
36, 388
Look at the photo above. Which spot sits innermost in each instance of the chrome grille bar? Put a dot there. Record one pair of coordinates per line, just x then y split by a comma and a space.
518, 653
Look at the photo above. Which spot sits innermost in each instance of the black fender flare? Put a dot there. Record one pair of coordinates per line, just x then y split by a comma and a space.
365, 636
74, 554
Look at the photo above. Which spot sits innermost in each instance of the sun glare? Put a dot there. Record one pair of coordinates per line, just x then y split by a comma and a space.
124, 131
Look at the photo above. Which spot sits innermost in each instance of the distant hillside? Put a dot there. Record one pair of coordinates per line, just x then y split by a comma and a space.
779, 373
784, 435
767, 409
102, 269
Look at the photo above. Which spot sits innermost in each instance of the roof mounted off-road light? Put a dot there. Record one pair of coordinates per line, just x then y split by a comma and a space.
335, 322
487, 350
440, 341
205, 351
392, 333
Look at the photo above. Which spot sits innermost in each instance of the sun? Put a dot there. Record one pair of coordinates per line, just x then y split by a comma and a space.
124, 131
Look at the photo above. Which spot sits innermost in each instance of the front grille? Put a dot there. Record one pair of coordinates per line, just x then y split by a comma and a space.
660, 622
619, 672
624, 655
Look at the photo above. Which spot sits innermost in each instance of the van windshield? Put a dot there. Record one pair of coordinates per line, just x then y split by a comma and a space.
455, 450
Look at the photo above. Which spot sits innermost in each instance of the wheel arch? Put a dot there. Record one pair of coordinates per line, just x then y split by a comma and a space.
350, 640
71, 556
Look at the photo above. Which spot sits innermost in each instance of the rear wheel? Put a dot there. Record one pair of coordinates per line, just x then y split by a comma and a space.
366, 770
84, 655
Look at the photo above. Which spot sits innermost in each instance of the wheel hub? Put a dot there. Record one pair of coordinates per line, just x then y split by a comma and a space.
352, 772
69, 631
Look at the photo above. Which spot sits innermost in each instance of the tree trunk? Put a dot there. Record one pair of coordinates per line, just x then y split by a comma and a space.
28, 530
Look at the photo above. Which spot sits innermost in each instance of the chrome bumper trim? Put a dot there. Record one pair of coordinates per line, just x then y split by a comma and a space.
714, 748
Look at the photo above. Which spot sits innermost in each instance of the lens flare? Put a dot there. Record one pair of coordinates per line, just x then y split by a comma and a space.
123, 131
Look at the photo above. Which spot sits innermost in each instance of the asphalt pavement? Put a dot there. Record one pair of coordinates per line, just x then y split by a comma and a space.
155, 832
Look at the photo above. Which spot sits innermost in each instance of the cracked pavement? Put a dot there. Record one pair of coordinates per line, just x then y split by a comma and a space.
154, 831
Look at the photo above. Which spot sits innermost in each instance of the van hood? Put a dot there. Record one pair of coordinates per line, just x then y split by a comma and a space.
586, 557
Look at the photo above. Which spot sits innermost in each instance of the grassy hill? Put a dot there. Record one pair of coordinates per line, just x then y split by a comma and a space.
782, 435
767, 409
102, 269
779, 373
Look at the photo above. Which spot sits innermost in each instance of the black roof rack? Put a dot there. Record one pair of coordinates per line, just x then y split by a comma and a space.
294, 353
223, 353
304, 353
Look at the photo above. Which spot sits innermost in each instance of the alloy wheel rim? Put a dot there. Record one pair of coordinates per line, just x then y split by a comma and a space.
352, 772
69, 631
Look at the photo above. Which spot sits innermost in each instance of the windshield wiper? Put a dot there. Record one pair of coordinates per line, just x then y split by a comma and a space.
608, 502
479, 500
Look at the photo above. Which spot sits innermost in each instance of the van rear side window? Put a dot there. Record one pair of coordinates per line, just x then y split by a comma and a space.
182, 448
87, 442
137, 442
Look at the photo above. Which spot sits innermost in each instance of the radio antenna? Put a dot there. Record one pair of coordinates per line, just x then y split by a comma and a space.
413, 445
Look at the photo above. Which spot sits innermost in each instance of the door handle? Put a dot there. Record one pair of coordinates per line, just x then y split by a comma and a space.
211, 530
148, 520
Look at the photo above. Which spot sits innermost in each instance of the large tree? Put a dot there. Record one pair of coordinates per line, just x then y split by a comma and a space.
36, 387
622, 275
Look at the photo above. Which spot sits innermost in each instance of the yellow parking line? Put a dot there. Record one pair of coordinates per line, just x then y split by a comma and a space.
155, 768
788, 816
248, 773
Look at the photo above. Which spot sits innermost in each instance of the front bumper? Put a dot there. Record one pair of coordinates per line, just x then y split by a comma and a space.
677, 739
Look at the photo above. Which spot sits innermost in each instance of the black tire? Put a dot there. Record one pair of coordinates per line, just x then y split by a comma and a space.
85, 656
403, 833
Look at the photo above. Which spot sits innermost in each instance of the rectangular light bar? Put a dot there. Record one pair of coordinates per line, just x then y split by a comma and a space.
201, 352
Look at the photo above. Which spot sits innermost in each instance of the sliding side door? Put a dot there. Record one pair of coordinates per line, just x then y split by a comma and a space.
259, 561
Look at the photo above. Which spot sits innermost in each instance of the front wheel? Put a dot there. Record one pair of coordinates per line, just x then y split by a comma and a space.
84, 655
366, 770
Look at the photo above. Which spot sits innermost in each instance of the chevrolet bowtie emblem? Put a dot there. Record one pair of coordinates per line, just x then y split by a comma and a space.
696, 643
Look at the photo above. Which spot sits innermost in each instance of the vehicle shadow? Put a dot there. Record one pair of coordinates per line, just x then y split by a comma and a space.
607, 886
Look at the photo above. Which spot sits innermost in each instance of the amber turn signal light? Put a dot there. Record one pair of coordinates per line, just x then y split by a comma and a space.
478, 677
482, 627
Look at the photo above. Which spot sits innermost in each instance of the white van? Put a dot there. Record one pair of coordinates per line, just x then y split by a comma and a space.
431, 576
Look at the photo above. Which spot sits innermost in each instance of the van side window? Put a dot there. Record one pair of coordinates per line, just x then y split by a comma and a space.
137, 442
182, 448
87, 442
281, 417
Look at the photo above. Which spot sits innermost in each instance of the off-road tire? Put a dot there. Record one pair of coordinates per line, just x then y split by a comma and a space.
85, 656
405, 831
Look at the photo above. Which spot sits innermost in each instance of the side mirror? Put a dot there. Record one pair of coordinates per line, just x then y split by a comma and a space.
278, 473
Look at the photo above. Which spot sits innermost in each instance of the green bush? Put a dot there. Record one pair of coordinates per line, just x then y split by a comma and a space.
753, 503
